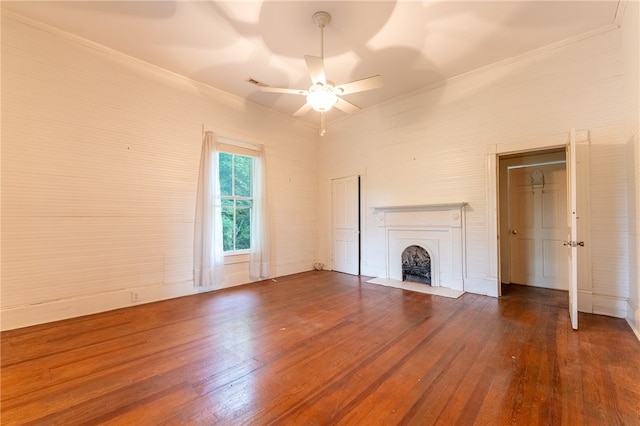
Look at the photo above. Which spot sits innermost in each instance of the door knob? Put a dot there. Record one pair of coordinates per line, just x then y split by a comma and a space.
514, 231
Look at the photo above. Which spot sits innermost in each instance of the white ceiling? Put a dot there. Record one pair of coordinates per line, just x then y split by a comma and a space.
411, 44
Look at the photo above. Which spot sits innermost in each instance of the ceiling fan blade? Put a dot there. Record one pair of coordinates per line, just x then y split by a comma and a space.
315, 65
283, 90
303, 110
360, 85
346, 106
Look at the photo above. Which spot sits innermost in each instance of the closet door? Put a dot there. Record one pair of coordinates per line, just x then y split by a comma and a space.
346, 224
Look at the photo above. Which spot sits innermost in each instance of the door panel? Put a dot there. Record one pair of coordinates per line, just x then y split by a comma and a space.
537, 210
552, 252
346, 225
553, 207
523, 250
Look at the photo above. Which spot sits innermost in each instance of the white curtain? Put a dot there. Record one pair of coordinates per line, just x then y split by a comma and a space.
260, 257
208, 256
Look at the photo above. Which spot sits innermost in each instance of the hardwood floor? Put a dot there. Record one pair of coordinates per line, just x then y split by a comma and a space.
323, 348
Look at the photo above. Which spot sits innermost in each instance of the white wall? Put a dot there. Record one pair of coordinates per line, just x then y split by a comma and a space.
100, 156
630, 36
432, 147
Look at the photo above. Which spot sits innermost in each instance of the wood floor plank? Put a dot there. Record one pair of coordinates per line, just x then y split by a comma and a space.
456, 393
415, 378
570, 386
325, 348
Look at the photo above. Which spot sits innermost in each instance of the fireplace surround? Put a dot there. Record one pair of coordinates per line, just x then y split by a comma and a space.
439, 229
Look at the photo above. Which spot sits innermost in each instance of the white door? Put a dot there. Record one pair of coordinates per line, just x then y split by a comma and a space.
537, 225
346, 224
572, 233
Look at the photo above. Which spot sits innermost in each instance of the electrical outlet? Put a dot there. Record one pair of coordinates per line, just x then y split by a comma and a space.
135, 296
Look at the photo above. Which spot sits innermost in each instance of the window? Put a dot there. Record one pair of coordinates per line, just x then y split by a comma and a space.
236, 194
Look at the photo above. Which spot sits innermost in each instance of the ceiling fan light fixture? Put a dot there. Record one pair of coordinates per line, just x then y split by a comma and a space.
324, 94
322, 97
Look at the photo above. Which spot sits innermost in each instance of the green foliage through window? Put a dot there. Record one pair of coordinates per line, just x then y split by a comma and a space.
236, 183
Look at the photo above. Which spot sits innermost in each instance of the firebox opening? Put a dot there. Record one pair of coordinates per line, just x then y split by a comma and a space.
416, 265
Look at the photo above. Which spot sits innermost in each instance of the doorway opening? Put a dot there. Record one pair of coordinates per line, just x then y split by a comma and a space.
578, 261
532, 192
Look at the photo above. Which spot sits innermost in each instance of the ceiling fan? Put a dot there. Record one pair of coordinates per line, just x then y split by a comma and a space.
324, 94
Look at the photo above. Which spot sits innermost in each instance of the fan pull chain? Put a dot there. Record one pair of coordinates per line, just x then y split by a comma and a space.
322, 126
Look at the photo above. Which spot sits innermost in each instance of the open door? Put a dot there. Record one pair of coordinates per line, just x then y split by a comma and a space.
572, 234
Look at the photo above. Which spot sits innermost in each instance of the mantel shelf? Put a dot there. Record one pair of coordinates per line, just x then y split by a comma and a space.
420, 207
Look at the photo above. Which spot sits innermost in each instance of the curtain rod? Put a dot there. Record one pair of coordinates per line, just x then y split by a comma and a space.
233, 141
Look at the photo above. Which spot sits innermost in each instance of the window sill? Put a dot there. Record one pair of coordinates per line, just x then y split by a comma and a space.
231, 259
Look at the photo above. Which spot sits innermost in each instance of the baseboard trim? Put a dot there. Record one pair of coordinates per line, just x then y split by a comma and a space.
633, 317
486, 286
611, 306
25, 316
585, 301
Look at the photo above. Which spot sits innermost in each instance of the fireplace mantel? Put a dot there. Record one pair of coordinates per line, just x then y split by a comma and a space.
420, 207
443, 214
437, 228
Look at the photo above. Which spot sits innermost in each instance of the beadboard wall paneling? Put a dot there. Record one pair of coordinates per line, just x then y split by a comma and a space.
630, 36
633, 168
609, 219
100, 157
431, 147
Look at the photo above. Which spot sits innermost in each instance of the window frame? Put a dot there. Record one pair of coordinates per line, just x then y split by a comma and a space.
237, 255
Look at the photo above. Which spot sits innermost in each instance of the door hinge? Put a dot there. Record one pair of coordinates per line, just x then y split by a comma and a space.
573, 243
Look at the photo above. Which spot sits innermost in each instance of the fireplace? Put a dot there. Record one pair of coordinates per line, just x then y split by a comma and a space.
416, 265
414, 233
